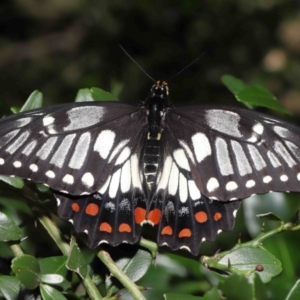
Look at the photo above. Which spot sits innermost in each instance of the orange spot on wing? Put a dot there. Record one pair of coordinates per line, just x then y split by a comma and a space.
105, 227
185, 233
124, 228
167, 230
217, 216
201, 216
139, 215
92, 209
154, 216
75, 207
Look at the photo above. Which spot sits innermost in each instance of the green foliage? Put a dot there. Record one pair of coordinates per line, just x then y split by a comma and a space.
73, 271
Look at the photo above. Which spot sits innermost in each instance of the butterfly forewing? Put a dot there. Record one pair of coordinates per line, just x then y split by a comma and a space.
234, 153
70, 148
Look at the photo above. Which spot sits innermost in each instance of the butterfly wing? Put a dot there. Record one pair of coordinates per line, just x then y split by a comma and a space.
72, 148
234, 153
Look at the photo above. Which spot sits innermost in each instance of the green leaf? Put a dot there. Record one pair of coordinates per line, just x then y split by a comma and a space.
135, 267
76, 261
84, 95
9, 287
9, 231
171, 296
257, 95
50, 293
213, 294
101, 95
248, 258
52, 278
13, 181
235, 285
235, 85
54, 265
35, 100
27, 270
294, 293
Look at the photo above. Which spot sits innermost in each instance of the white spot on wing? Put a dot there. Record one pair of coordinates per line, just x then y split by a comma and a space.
183, 189
241, 159
2, 161
114, 184
48, 120
224, 121
250, 183
60, 154
188, 150
231, 186
284, 178
123, 156
117, 149
50, 174
223, 158
33, 167
298, 176
165, 174
257, 159
135, 174
104, 142
88, 179
81, 151
22, 122
282, 132
69, 179
173, 181
181, 159
273, 159
212, 184
194, 191
17, 164
267, 179
105, 186
126, 177
18, 142
282, 151
201, 146
46, 149
88, 116
258, 128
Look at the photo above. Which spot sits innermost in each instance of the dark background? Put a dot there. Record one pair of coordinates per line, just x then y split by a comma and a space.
60, 46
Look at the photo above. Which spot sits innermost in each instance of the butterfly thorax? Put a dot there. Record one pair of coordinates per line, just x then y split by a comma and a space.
156, 105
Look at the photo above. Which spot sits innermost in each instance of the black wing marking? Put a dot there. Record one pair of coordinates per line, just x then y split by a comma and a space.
234, 153
72, 148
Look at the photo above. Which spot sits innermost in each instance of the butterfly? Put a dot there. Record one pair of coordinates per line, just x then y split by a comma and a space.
184, 169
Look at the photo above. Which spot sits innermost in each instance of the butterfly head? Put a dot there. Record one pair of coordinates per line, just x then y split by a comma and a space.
160, 89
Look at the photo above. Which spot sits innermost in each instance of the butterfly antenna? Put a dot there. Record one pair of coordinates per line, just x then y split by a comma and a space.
189, 64
136, 63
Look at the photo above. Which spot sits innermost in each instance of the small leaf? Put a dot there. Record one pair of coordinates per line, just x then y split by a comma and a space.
50, 293
13, 181
9, 287
9, 231
294, 293
235, 85
101, 95
257, 95
76, 261
27, 270
53, 265
247, 258
35, 100
84, 95
52, 278
270, 216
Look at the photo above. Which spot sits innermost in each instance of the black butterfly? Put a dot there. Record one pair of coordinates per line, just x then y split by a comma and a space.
114, 167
